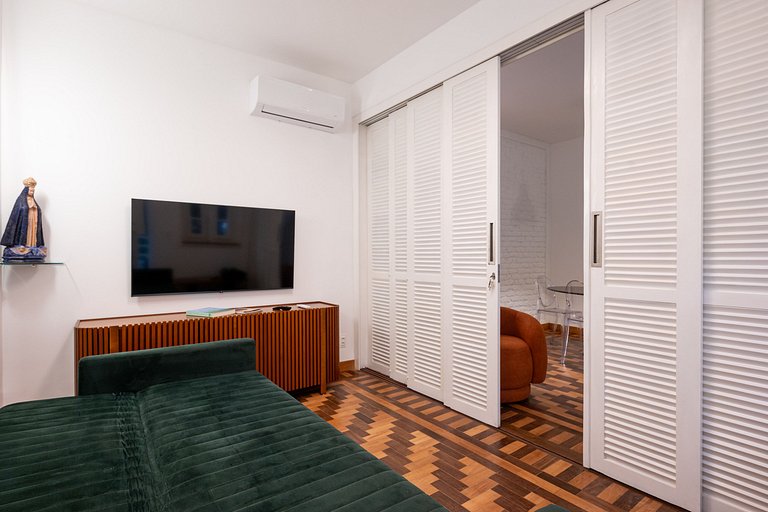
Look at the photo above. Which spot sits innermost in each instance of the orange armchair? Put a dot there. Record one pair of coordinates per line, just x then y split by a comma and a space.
523, 354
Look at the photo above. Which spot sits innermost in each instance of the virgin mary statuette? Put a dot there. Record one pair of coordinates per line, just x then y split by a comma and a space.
23, 236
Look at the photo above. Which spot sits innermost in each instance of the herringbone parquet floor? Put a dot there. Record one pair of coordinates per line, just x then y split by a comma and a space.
552, 417
464, 464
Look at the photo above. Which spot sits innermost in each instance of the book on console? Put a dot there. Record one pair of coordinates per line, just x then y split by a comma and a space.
211, 312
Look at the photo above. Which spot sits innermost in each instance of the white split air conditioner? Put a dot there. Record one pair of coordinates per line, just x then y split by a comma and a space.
293, 103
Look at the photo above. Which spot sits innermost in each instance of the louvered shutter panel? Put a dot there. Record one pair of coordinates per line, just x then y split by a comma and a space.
426, 183
471, 306
380, 243
735, 372
400, 229
645, 300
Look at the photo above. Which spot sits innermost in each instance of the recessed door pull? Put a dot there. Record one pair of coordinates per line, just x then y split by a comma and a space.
596, 247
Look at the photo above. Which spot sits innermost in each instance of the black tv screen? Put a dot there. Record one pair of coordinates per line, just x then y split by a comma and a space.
193, 247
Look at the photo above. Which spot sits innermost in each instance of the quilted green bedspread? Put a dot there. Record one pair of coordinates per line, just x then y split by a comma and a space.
233, 442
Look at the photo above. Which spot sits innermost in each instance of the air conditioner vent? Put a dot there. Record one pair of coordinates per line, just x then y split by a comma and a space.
296, 104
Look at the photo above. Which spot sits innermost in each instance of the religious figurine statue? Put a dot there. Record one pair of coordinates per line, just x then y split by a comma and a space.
23, 236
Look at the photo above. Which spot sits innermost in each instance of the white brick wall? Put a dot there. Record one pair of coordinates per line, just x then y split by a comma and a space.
523, 220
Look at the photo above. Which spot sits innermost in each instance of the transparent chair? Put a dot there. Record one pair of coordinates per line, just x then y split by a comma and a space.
572, 316
547, 300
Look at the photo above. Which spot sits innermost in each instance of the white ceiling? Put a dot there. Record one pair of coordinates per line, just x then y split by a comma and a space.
342, 39
542, 93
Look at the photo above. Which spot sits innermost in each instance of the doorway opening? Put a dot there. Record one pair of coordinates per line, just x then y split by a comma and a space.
541, 217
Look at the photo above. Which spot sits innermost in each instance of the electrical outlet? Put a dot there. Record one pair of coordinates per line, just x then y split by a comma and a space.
343, 342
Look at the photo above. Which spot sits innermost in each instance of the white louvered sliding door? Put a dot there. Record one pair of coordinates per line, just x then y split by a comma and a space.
425, 118
645, 298
380, 242
398, 160
405, 213
388, 227
471, 194
432, 206
735, 372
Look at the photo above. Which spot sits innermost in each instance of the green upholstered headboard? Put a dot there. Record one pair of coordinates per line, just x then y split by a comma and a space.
127, 372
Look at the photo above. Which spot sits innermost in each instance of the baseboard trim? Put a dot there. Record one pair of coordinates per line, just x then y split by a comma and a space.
347, 366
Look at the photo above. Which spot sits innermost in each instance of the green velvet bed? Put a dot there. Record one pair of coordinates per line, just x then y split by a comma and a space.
190, 428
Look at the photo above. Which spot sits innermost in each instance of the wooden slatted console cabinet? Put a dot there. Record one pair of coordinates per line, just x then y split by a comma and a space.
295, 349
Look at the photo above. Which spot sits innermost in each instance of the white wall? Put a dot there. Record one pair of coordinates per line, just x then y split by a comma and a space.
523, 220
541, 216
100, 109
565, 211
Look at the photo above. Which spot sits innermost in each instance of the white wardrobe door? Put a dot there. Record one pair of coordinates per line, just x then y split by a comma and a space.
645, 303
400, 296
735, 373
379, 285
471, 323
426, 266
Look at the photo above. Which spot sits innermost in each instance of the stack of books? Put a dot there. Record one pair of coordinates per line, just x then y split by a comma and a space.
211, 312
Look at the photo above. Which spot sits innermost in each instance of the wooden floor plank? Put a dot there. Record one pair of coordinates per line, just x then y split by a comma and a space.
464, 464
552, 416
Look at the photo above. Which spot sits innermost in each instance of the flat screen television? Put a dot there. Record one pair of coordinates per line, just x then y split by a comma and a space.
193, 247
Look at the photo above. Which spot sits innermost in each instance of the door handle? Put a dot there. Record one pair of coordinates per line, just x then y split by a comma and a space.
596, 247
491, 280
491, 245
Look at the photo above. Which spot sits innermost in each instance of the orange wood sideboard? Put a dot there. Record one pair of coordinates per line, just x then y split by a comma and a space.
295, 349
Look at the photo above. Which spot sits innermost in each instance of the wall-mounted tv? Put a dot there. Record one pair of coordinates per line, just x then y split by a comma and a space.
193, 247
